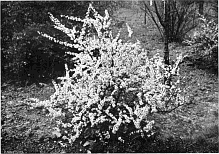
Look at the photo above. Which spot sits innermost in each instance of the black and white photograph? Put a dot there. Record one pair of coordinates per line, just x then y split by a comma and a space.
119, 76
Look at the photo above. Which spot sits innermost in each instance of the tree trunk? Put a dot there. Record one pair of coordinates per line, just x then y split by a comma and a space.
166, 37
166, 32
201, 7
145, 14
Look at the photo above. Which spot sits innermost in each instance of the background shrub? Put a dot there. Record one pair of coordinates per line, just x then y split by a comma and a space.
204, 42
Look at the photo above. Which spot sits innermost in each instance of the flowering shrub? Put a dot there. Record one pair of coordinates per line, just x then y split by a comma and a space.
114, 87
205, 40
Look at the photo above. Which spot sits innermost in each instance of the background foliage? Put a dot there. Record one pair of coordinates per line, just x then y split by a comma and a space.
26, 56
181, 16
205, 43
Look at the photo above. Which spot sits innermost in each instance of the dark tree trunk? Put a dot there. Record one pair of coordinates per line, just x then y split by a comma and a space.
166, 32
166, 37
145, 14
201, 7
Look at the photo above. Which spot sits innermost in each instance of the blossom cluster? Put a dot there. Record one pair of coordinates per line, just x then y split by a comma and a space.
110, 95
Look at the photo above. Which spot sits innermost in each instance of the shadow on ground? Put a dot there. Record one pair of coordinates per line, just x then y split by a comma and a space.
169, 145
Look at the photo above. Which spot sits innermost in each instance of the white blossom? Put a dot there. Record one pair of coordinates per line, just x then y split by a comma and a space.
97, 93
